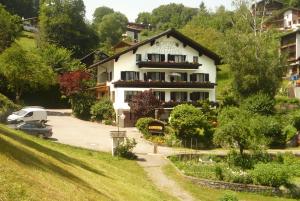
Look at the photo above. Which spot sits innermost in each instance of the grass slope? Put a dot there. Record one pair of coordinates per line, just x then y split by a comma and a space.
224, 79
27, 40
208, 194
36, 169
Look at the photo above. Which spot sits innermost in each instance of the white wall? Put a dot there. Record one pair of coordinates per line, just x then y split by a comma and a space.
297, 45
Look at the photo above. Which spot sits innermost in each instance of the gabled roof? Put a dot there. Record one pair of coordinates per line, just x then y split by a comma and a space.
171, 32
291, 33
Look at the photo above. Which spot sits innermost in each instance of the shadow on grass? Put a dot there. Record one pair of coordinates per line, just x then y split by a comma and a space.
50, 152
28, 158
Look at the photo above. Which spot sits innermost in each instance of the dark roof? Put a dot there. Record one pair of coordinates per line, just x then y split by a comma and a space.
171, 32
92, 53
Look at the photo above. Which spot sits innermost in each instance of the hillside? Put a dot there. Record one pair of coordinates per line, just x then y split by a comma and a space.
36, 169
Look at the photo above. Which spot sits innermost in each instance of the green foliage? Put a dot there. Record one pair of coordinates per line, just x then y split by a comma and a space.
142, 125
188, 121
125, 149
144, 18
110, 29
287, 100
81, 104
289, 131
259, 104
62, 23
103, 110
100, 12
270, 174
23, 8
10, 28
59, 59
24, 70
237, 130
229, 197
6, 108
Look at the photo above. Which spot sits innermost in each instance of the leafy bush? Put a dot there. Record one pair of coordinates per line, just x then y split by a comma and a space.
81, 104
125, 149
286, 100
142, 125
259, 104
270, 174
188, 121
236, 160
6, 107
103, 110
229, 197
289, 131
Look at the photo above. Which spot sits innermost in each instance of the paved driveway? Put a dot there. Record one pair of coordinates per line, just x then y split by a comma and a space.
72, 131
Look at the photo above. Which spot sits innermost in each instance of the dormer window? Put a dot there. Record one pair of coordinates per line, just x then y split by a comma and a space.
156, 57
138, 57
195, 59
176, 58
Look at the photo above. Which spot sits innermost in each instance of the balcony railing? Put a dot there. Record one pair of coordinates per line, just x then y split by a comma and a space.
160, 84
178, 65
172, 104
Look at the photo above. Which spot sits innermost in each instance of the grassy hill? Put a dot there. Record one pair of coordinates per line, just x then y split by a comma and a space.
36, 169
224, 79
27, 40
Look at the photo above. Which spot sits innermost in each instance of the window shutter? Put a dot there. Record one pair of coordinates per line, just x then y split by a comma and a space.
110, 76
149, 57
162, 57
169, 57
184, 96
206, 77
123, 75
162, 76
184, 77
173, 96
138, 75
145, 76
193, 77
206, 95
162, 96
184, 58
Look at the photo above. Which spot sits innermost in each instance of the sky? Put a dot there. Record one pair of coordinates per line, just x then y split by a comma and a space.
131, 8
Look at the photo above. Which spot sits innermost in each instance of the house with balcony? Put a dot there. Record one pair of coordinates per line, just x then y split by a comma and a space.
285, 20
176, 68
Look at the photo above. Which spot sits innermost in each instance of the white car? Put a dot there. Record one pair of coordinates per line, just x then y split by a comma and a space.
28, 114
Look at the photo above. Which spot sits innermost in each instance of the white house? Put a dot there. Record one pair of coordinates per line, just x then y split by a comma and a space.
174, 67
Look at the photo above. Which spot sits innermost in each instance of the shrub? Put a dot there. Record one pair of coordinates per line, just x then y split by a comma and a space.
289, 131
259, 104
142, 125
188, 121
270, 174
81, 104
6, 107
236, 160
125, 149
103, 110
229, 197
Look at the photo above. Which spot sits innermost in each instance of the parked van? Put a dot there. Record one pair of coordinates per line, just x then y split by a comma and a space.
28, 114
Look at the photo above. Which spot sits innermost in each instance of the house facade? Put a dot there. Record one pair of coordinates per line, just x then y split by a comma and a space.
174, 67
287, 19
267, 8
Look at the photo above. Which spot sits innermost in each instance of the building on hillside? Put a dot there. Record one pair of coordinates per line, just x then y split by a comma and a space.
134, 29
176, 68
93, 57
267, 7
286, 19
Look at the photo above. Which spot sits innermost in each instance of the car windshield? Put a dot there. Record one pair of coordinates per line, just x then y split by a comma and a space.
20, 112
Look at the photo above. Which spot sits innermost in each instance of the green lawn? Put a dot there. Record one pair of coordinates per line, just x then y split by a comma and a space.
27, 40
208, 194
35, 169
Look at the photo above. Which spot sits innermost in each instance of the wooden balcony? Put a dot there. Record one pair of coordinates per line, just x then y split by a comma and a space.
161, 84
166, 65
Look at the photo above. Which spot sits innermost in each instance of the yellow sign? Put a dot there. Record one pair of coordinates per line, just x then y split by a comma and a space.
156, 128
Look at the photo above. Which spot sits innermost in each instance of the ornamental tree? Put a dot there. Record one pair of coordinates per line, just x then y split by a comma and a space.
24, 70
143, 104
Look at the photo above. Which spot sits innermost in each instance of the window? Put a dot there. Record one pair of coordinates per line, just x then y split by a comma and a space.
110, 76
128, 95
130, 75
179, 96
176, 58
160, 95
178, 77
196, 96
138, 57
199, 77
30, 114
195, 59
154, 76
156, 57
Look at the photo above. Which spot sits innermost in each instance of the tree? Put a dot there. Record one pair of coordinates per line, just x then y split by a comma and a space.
10, 27
100, 12
236, 130
24, 70
62, 23
253, 55
23, 8
111, 28
172, 16
144, 18
60, 59
144, 104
